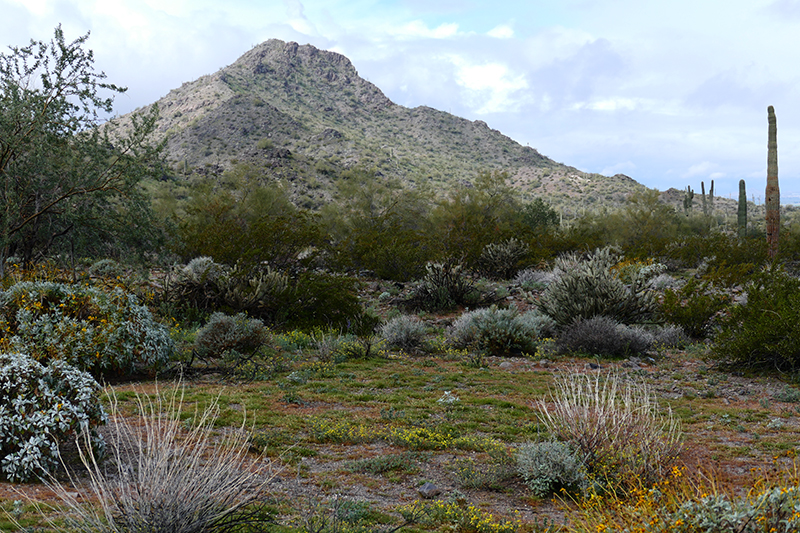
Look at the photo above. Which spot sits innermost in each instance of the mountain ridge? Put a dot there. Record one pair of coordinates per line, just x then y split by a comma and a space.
304, 115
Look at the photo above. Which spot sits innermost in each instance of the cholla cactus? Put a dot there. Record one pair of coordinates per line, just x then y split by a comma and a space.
501, 260
587, 287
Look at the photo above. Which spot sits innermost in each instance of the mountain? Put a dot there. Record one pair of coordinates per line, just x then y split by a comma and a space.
303, 115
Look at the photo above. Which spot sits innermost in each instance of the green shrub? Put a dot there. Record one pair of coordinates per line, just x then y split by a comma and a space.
693, 307
548, 467
502, 260
405, 331
495, 331
103, 332
605, 337
587, 287
443, 287
763, 332
42, 406
234, 340
301, 300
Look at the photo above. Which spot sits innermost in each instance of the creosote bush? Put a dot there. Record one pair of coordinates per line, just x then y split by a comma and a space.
589, 286
42, 406
168, 474
547, 467
598, 415
764, 332
100, 331
693, 307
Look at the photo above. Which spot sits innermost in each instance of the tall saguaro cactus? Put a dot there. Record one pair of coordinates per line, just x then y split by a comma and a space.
688, 197
741, 213
703, 192
773, 193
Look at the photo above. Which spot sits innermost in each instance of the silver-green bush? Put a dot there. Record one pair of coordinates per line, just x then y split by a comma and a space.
40, 407
100, 331
404, 331
496, 331
548, 467
224, 334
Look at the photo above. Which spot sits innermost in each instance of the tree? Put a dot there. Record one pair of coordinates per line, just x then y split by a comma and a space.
65, 182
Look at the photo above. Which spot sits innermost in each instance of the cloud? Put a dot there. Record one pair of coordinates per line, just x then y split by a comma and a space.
619, 168
418, 30
701, 169
490, 87
504, 31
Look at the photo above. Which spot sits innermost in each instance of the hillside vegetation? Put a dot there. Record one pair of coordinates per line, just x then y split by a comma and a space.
303, 328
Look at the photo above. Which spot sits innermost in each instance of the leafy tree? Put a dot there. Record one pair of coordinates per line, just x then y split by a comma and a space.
244, 218
474, 215
380, 226
66, 183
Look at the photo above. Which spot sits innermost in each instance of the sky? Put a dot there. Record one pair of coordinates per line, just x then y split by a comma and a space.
668, 93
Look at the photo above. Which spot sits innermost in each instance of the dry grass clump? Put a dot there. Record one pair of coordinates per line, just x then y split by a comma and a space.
167, 474
615, 425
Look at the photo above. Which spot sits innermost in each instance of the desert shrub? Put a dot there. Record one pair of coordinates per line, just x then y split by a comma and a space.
405, 331
233, 339
670, 336
301, 300
597, 415
106, 268
693, 307
502, 260
171, 473
588, 287
100, 331
764, 332
531, 278
604, 336
444, 286
40, 407
495, 331
542, 325
547, 467
197, 285
665, 281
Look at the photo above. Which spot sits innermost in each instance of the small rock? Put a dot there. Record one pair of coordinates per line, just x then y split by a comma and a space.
429, 490
505, 365
593, 366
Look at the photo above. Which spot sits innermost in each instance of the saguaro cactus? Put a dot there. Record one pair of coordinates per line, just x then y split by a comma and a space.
773, 193
741, 213
688, 198
703, 192
711, 198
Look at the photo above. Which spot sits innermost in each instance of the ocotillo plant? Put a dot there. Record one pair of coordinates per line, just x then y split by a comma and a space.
773, 193
688, 197
741, 213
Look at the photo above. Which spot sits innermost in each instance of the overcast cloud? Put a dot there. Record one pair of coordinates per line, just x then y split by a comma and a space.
669, 93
